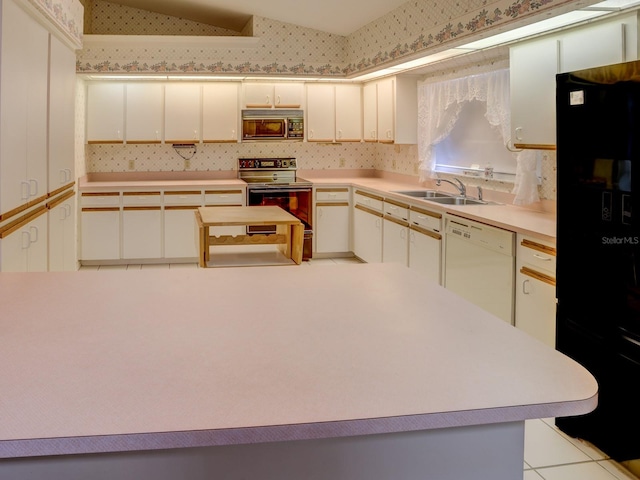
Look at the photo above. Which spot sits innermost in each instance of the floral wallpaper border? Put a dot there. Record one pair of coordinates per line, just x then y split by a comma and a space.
453, 31
67, 15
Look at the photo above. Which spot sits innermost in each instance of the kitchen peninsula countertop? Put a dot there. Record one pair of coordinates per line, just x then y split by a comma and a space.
166, 359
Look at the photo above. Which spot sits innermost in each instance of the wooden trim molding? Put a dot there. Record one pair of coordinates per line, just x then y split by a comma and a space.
369, 210
538, 276
424, 231
396, 203
58, 200
539, 247
22, 221
370, 195
396, 221
332, 204
425, 212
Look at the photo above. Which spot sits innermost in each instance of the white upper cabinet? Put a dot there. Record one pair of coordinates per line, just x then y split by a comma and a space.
220, 107
105, 112
62, 90
597, 45
182, 112
391, 110
334, 112
145, 111
386, 110
321, 112
348, 113
273, 95
370, 112
534, 64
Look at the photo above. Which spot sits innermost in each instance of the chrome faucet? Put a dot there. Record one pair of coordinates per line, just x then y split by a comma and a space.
480, 193
460, 186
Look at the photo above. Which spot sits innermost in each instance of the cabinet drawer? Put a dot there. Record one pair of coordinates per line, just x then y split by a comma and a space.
539, 254
183, 198
425, 218
224, 197
331, 194
396, 209
370, 200
106, 199
134, 199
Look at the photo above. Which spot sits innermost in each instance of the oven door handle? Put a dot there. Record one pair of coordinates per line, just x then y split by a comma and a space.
279, 190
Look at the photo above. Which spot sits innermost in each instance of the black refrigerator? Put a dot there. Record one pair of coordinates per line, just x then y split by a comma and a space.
598, 247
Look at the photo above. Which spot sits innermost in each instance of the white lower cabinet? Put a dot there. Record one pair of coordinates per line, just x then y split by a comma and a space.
425, 242
535, 288
142, 225
141, 232
100, 226
62, 236
24, 248
100, 232
148, 225
180, 237
332, 227
395, 232
180, 228
367, 226
395, 241
367, 234
332, 223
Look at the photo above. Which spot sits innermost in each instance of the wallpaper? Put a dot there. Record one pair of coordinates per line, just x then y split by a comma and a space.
114, 19
66, 15
417, 27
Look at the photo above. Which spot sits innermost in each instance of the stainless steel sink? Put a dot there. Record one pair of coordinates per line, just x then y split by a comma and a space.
426, 194
457, 201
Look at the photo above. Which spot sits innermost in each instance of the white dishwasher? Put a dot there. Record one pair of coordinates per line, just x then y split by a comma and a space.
479, 265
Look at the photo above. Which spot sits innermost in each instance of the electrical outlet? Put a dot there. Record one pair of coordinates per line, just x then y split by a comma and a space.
343, 162
187, 164
132, 164
394, 165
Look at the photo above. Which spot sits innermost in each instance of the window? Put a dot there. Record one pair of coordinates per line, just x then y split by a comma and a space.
473, 145
464, 126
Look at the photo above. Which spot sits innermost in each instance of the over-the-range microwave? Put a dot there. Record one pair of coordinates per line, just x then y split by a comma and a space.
270, 125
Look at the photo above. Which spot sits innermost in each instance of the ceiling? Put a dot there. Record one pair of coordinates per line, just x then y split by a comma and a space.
339, 17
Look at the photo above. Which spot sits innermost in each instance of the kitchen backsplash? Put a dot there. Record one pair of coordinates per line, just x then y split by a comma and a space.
400, 159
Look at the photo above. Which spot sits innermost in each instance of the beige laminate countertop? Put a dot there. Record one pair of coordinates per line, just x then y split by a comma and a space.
107, 182
518, 219
511, 217
122, 361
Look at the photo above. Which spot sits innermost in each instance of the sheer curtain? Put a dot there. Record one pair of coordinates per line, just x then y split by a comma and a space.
439, 106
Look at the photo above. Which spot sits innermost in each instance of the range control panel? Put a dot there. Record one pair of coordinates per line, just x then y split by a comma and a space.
282, 163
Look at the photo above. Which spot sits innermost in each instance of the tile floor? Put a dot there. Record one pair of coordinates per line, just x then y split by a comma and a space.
549, 454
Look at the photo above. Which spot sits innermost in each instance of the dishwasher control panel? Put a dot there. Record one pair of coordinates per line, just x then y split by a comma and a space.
490, 237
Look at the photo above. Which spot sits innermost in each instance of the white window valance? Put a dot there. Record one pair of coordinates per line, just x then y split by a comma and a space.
439, 106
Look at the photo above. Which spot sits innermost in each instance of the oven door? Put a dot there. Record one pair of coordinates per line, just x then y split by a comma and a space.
295, 200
